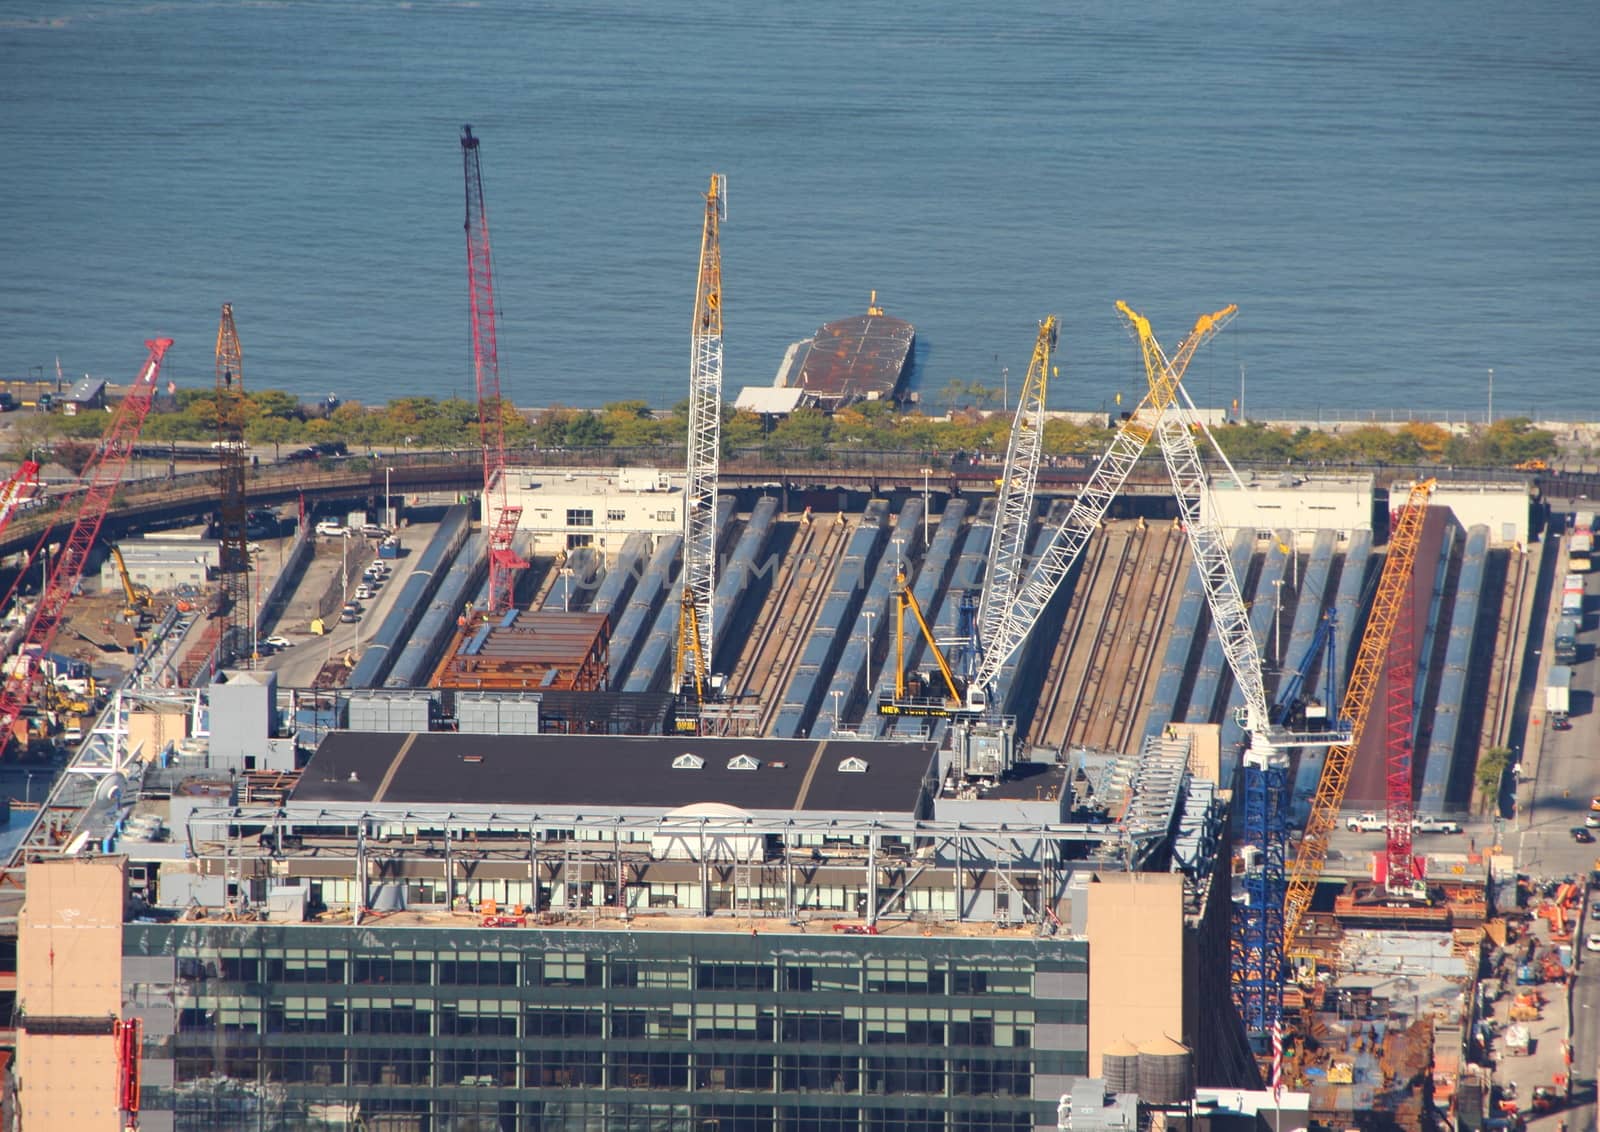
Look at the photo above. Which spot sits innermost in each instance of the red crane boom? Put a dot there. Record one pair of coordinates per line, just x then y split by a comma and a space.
101, 479
1399, 874
504, 562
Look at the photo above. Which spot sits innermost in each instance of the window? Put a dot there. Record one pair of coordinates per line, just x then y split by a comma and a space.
641, 1069
616, 516
853, 765
569, 969
469, 1018
744, 762
574, 1022
576, 541
733, 976
688, 761
580, 517
666, 516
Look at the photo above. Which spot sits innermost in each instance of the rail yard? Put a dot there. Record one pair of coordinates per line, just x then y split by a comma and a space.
667, 792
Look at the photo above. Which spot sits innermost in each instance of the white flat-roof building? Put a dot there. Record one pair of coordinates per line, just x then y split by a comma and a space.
1293, 502
1502, 507
565, 508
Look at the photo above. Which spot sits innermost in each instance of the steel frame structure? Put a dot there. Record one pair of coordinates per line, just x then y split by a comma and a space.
1007, 563
234, 550
1399, 874
1359, 693
1257, 941
500, 518
1018, 617
101, 480
692, 660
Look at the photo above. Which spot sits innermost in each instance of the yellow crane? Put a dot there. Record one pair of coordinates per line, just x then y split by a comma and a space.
138, 596
1387, 603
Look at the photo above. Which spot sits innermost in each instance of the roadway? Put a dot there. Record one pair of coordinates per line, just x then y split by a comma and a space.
1553, 796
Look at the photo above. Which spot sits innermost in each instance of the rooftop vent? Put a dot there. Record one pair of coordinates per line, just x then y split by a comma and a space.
853, 765
744, 762
688, 761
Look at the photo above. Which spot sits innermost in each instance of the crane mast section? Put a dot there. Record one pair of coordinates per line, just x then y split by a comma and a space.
102, 478
1014, 515
695, 634
1359, 694
1399, 719
233, 551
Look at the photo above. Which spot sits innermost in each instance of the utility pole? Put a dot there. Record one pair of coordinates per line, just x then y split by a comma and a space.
1491, 395
926, 472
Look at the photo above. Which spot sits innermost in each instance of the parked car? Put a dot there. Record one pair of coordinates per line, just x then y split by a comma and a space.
351, 612
1582, 836
1429, 824
1365, 822
332, 528
364, 592
279, 642
374, 530
1593, 942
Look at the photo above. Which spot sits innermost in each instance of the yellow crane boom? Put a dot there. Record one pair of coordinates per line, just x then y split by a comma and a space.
1358, 699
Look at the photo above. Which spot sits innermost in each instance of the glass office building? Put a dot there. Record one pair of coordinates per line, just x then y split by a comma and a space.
398, 1028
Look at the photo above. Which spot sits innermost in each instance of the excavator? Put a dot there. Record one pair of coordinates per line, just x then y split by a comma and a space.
138, 596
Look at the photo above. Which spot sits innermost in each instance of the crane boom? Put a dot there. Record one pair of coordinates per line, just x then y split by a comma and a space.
233, 564
101, 478
22, 484
1014, 514
501, 519
1018, 617
1359, 694
692, 659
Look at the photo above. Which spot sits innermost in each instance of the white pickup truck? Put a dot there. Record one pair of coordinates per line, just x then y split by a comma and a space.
1369, 822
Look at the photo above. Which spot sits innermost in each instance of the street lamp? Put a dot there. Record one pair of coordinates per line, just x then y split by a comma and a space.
566, 589
388, 506
926, 472
869, 615
1277, 620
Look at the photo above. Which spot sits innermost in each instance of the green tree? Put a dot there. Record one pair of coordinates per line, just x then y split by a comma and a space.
585, 430
1491, 772
275, 403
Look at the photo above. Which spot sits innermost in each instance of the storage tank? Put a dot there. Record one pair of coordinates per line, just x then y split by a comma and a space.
1165, 1072
1120, 1066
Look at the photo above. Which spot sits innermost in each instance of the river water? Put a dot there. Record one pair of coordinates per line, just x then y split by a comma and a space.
1399, 199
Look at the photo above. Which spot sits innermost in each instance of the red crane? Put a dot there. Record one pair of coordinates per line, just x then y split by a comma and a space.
1400, 875
23, 484
101, 479
504, 561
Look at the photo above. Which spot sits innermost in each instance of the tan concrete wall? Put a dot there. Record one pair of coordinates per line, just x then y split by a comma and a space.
155, 729
69, 965
1136, 960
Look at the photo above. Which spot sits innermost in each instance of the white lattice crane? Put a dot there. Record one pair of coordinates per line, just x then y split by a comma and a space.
1015, 618
1014, 513
693, 657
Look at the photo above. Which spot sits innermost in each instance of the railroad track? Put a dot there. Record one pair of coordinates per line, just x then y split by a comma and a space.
1152, 600
1087, 723
1043, 731
1101, 666
774, 645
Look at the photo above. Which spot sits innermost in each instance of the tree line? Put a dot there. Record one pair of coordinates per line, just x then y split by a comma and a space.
279, 419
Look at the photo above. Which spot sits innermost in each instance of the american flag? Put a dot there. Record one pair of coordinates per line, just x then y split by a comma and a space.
1277, 1061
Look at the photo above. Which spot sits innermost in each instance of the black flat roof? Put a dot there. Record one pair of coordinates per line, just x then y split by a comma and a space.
448, 768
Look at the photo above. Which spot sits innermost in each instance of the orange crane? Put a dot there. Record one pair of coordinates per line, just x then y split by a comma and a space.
101, 479
1393, 585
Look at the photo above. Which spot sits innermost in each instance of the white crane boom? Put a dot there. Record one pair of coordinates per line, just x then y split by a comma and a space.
1017, 617
705, 432
1014, 515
